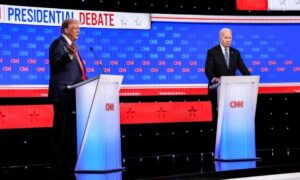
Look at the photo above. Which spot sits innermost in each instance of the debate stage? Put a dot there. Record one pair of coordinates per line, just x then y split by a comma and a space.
177, 166
166, 126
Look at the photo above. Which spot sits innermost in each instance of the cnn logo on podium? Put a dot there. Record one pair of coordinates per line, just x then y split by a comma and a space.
109, 107
236, 104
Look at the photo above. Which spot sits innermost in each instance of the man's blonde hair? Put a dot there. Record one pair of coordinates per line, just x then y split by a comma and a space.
67, 22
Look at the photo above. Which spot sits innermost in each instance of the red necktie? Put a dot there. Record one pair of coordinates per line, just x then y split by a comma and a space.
79, 62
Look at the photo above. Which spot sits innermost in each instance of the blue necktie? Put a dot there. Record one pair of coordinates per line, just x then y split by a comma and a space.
226, 55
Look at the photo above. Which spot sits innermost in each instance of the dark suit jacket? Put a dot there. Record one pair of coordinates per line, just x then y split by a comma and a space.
215, 65
63, 72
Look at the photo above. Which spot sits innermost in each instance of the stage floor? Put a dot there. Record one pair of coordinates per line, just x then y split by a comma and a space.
274, 164
285, 176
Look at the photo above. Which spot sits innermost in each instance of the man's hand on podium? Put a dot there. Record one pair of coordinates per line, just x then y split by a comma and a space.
215, 80
215, 83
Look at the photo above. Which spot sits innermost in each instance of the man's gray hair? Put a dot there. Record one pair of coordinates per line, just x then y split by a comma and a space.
224, 29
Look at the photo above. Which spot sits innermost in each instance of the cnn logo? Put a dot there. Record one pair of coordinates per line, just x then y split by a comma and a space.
109, 107
236, 104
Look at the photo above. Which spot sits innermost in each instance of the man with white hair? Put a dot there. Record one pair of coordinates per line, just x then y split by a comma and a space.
222, 60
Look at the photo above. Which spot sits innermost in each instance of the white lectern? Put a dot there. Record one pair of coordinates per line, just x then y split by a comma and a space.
98, 124
235, 139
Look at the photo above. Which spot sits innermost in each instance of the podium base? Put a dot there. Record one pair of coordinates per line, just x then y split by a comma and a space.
100, 171
237, 160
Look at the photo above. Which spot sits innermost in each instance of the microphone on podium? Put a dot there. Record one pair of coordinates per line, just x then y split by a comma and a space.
101, 64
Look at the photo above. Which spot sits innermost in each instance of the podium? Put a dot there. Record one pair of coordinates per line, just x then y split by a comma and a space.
235, 138
98, 124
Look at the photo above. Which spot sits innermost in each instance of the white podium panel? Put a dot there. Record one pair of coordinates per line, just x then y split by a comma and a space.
98, 124
99, 176
236, 165
237, 97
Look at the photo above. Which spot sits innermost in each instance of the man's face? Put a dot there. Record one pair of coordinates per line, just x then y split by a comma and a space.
225, 38
72, 31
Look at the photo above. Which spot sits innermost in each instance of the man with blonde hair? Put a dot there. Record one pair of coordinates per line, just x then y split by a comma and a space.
66, 68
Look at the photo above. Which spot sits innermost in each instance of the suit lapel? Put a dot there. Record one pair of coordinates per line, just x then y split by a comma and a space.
231, 58
65, 43
221, 56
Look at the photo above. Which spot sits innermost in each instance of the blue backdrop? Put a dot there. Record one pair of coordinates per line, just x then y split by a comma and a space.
168, 53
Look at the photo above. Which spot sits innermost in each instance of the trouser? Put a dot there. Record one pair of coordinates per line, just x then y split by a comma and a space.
64, 136
212, 94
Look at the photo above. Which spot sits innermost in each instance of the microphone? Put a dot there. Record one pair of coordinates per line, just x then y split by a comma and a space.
92, 49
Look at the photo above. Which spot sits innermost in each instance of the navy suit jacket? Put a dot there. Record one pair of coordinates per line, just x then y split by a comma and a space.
63, 72
215, 65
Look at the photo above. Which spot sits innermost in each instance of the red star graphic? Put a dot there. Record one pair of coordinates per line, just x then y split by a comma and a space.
161, 112
34, 116
192, 111
130, 113
2, 116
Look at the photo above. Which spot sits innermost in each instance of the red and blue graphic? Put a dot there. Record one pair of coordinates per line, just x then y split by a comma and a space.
171, 55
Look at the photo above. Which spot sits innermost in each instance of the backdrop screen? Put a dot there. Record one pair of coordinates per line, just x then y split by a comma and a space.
170, 54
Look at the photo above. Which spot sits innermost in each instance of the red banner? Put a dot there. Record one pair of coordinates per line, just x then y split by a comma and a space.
256, 5
25, 116
263, 89
38, 116
165, 112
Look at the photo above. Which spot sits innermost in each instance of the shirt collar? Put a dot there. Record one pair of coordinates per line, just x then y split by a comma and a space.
67, 39
223, 48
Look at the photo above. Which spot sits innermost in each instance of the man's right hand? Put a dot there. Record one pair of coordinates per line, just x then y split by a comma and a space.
215, 80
